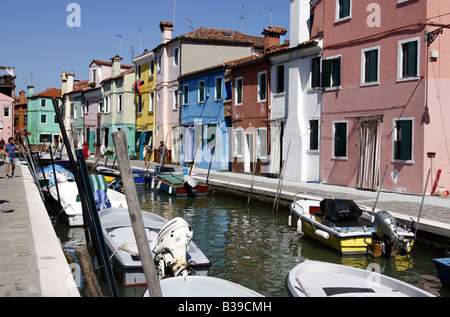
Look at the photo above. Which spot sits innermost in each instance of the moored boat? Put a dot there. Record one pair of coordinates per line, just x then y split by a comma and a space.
184, 257
344, 226
321, 279
179, 184
443, 269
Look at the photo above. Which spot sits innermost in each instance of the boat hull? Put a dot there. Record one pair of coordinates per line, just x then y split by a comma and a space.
178, 189
320, 279
346, 239
443, 268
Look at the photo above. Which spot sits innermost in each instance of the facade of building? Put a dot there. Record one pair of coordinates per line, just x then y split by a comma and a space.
42, 124
20, 113
384, 78
200, 49
7, 96
119, 112
145, 99
205, 130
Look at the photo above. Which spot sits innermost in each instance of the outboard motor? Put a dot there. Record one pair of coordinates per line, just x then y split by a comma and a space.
190, 184
171, 249
386, 231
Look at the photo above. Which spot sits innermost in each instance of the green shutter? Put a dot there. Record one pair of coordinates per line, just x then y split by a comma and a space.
326, 73
410, 59
371, 66
405, 139
314, 135
315, 82
336, 71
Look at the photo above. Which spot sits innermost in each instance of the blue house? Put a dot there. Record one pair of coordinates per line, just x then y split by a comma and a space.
205, 121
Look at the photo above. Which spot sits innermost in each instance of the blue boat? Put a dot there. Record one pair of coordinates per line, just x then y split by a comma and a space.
443, 268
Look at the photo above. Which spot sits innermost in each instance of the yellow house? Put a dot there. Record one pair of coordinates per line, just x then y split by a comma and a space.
144, 88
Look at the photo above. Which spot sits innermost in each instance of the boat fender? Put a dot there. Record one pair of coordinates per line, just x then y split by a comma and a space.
322, 234
299, 226
170, 190
153, 183
159, 185
290, 220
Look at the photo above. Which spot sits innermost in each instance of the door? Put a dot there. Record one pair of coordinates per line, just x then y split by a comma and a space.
249, 151
369, 156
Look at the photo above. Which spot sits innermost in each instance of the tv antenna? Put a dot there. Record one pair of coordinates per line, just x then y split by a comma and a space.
242, 19
270, 10
191, 24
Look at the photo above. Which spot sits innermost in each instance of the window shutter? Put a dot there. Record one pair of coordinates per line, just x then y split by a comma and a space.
315, 72
405, 141
336, 71
371, 66
340, 139
326, 73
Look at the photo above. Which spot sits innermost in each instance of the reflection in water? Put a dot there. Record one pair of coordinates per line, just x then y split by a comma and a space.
254, 247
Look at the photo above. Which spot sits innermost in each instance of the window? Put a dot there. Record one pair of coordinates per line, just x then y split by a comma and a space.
86, 106
176, 54
340, 139
175, 100
315, 72
107, 104
185, 94
238, 134
43, 118
75, 109
201, 91
44, 103
313, 135
139, 104
55, 119
262, 86
211, 134
138, 72
403, 139
331, 72
408, 58
239, 92
262, 143
151, 101
94, 76
120, 103
158, 64
343, 9
370, 63
152, 67
218, 93
6, 112
280, 79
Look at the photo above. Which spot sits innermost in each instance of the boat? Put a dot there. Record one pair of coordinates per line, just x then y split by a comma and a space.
179, 184
46, 177
202, 286
321, 279
346, 227
443, 268
107, 171
175, 253
68, 204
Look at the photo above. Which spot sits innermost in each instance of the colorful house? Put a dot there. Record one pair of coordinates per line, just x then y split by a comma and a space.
205, 129
144, 89
295, 104
7, 96
42, 124
384, 75
200, 49
119, 112
20, 113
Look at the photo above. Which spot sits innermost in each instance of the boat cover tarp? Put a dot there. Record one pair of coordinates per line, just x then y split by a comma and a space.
174, 179
340, 210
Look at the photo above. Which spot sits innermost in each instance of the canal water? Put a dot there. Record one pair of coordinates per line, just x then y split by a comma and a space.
254, 246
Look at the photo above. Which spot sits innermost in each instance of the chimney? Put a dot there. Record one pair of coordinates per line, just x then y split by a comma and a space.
166, 31
116, 66
30, 91
300, 14
22, 98
272, 36
67, 82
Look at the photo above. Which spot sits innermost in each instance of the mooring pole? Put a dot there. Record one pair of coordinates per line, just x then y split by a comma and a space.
120, 143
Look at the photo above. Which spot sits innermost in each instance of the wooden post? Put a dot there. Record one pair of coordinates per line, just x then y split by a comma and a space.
120, 143
88, 271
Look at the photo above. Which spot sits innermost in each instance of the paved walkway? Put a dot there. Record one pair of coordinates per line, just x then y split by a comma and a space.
32, 263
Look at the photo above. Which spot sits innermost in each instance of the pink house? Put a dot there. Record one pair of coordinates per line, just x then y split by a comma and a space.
385, 78
6, 117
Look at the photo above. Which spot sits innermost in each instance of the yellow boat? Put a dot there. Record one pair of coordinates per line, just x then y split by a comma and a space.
345, 227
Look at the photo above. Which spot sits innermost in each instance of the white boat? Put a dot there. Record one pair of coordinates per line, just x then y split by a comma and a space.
175, 255
202, 286
69, 204
342, 225
320, 279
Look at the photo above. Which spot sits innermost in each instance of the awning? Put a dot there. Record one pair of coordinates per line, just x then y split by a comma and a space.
358, 119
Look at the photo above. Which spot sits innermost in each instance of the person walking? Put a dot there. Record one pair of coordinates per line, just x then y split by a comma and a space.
2, 145
10, 151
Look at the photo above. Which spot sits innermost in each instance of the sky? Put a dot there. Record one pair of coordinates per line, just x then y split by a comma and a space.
40, 43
